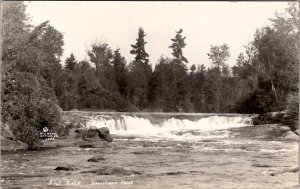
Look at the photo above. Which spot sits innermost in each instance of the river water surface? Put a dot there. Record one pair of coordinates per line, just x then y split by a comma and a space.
160, 151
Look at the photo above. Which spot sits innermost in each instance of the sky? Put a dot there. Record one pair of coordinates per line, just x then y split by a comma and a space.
116, 23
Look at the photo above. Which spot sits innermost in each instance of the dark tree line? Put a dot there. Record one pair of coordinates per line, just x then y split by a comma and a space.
34, 84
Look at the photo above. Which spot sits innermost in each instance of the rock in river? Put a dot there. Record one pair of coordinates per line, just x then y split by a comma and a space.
102, 132
64, 168
96, 159
86, 146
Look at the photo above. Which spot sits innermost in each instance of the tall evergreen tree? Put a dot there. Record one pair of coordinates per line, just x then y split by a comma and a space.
140, 73
180, 83
159, 84
120, 70
138, 48
197, 80
70, 63
177, 46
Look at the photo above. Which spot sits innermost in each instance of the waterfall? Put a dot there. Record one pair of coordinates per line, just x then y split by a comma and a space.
170, 126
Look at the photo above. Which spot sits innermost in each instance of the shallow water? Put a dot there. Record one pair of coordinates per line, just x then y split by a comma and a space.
208, 159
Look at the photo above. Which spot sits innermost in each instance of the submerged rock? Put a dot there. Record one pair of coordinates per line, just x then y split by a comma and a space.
86, 146
175, 173
192, 132
102, 132
287, 170
147, 152
260, 165
96, 159
64, 168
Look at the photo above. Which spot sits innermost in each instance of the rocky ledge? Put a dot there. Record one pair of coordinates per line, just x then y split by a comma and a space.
82, 137
266, 132
276, 118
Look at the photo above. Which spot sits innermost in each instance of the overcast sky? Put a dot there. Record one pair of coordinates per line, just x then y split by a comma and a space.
117, 23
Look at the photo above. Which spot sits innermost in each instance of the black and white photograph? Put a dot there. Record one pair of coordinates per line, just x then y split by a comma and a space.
149, 94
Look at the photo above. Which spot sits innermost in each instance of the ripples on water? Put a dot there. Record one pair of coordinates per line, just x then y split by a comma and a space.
171, 153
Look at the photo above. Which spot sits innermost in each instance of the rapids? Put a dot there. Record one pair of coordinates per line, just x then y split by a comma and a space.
168, 126
156, 150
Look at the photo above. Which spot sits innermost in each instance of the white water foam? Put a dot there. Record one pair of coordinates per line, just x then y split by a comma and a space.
172, 128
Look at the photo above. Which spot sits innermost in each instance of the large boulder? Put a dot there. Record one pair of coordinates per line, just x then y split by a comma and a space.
103, 133
94, 132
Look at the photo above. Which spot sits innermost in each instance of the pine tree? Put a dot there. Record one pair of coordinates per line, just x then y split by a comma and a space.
159, 93
139, 48
140, 73
120, 70
70, 63
177, 46
180, 81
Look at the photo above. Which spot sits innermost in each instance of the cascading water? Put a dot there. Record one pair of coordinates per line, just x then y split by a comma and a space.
170, 127
159, 150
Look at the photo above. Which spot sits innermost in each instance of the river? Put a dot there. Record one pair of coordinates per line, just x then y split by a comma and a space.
160, 151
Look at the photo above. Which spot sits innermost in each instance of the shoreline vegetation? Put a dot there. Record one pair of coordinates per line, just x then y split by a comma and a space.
36, 88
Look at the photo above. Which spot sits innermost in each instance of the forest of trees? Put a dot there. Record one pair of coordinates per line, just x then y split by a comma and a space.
261, 81
35, 85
